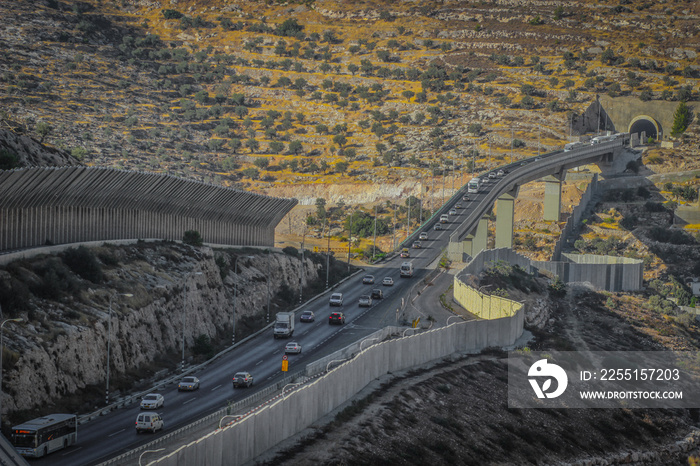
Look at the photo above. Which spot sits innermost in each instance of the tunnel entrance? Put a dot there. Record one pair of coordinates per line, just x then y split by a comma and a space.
645, 124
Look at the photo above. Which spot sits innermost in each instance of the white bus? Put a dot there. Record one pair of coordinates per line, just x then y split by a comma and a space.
473, 185
600, 139
44, 435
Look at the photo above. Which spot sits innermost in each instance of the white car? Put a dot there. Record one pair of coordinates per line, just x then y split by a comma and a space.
292, 347
423, 236
501, 173
336, 299
365, 301
152, 401
388, 281
188, 384
453, 212
149, 421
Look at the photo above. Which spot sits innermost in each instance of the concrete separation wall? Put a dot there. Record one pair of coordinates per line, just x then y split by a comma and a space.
262, 429
575, 218
40, 206
610, 273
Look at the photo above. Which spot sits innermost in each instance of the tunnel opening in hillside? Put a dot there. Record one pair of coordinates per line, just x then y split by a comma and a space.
645, 125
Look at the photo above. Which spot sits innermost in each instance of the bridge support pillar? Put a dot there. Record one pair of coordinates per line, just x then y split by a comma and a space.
505, 206
552, 197
474, 243
455, 252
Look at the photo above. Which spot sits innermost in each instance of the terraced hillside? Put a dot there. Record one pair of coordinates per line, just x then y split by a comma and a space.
350, 102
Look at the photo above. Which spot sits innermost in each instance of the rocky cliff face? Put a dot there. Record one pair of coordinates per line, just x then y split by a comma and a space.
31, 153
62, 347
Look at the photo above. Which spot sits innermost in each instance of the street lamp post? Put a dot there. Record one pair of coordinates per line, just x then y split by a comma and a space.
182, 320
109, 339
374, 243
18, 319
235, 299
268, 285
328, 254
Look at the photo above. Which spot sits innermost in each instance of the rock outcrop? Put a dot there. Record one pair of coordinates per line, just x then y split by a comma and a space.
62, 347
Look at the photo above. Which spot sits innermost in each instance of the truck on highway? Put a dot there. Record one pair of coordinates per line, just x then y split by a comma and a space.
406, 269
284, 325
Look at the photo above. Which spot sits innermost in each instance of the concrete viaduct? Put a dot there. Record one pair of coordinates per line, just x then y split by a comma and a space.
470, 237
40, 206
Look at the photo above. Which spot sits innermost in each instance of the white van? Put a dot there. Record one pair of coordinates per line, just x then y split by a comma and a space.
149, 421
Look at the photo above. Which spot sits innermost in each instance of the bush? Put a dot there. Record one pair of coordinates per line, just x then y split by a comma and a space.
291, 251
84, 264
203, 346
192, 237
8, 160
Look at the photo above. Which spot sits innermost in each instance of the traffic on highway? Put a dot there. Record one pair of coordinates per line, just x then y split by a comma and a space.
339, 317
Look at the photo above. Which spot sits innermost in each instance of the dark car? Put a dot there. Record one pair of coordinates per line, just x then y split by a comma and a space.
368, 279
307, 316
377, 294
337, 318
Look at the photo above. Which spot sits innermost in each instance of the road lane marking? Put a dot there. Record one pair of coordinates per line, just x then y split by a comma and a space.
189, 401
72, 451
276, 351
218, 386
259, 362
117, 432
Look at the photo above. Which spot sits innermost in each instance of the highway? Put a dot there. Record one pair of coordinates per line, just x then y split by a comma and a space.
114, 433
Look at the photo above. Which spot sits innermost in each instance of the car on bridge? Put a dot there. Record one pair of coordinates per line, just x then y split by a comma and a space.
307, 316
465, 198
423, 235
453, 212
292, 348
242, 379
416, 245
188, 384
492, 175
458, 206
501, 172
152, 401
337, 318
405, 253
437, 226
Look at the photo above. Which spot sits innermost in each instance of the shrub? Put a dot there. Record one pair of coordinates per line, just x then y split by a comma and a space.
8, 160
192, 237
84, 264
